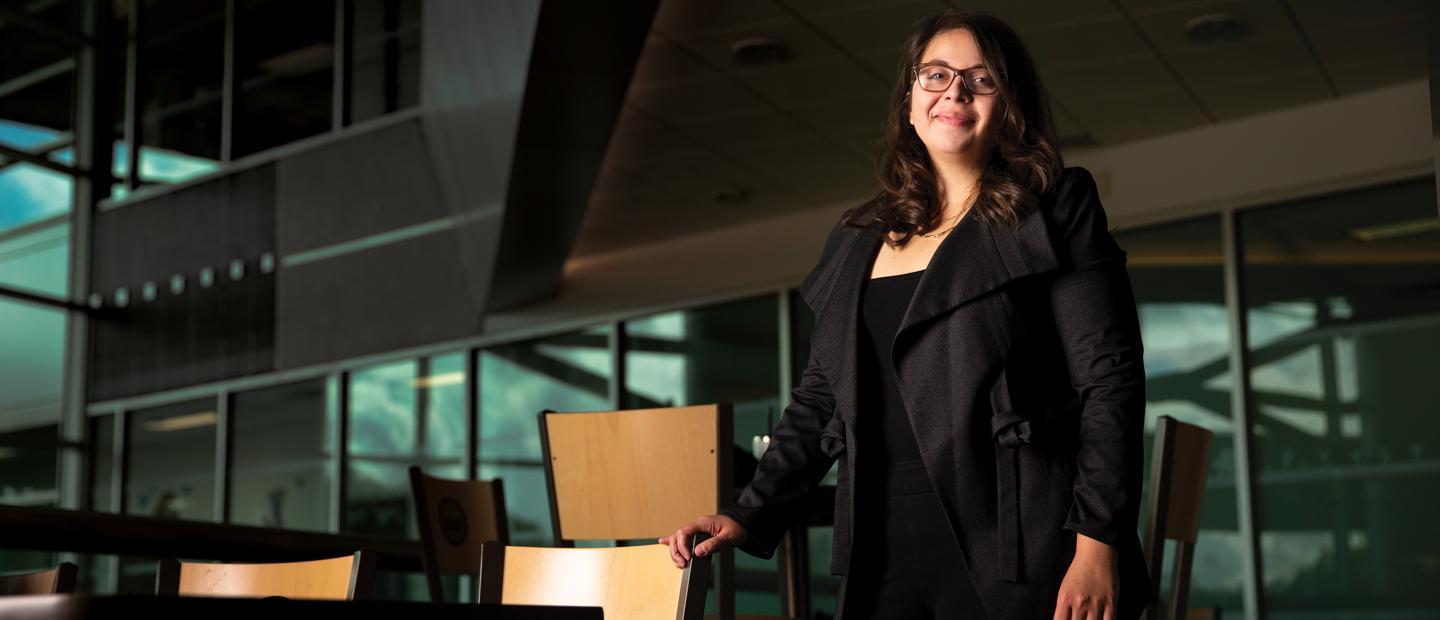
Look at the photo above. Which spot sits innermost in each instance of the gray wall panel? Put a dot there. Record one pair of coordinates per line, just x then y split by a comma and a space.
349, 189
394, 296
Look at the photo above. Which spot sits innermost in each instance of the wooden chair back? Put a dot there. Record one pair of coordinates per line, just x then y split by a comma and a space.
624, 475
454, 517
350, 577
58, 580
1179, 461
638, 474
636, 583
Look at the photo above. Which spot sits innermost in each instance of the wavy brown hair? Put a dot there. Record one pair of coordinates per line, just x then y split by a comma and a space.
1025, 164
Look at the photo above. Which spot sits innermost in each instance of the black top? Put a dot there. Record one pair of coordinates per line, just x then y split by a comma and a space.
882, 413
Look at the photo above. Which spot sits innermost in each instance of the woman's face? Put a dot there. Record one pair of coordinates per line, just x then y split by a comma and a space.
954, 123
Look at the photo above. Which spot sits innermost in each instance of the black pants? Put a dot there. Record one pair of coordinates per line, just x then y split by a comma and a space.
906, 562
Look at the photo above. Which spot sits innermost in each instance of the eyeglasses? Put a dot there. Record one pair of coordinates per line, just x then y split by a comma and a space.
937, 78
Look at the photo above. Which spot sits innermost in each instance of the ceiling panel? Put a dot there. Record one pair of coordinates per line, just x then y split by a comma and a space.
871, 26
1121, 119
1110, 79
814, 82
1060, 45
802, 133
681, 17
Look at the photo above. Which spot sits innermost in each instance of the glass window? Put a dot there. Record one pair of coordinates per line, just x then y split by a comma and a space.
517, 382
385, 57
38, 70
1344, 323
182, 69
284, 60
37, 259
102, 460
402, 414
1178, 274
32, 365
724, 353
31, 193
281, 460
27, 466
171, 451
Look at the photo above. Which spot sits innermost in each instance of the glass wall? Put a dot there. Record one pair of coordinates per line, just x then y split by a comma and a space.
723, 353
282, 443
171, 453
402, 414
1344, 322
517, 381
181, 88
1177, 271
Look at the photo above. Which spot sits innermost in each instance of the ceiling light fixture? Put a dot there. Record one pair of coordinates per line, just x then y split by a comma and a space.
1397, 229
759, 51
729, 194
1215, 28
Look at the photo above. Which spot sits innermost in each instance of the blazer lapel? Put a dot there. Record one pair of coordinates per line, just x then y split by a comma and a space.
836, 301
975, 258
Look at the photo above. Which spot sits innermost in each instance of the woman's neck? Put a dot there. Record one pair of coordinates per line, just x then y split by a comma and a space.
958, 177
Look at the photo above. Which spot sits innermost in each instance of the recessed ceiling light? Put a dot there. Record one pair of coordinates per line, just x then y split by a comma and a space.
1215, 28
729, 194
757, 51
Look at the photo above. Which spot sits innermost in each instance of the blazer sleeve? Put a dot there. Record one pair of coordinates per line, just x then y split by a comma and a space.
1099, 330
795, 463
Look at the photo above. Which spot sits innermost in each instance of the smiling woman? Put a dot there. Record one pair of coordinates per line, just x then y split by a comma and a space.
976, 344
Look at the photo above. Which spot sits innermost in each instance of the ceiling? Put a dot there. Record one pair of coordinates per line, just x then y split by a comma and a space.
799, 134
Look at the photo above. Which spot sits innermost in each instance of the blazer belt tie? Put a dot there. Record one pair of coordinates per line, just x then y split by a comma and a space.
1011, 431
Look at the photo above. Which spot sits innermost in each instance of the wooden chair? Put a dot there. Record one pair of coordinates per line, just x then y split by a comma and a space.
58, 580
1178, 463
636, 583
639, 474
350, 577
454, 517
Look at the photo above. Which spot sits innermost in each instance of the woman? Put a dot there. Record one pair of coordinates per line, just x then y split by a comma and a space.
976, 366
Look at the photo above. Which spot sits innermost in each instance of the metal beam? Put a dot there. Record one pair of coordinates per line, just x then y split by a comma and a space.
26, 80
1243, 412
10, 15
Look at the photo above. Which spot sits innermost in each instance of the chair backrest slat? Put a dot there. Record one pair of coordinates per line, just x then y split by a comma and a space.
344, 578
454, 517
622, 475
638, 582
58, 580
1179, 461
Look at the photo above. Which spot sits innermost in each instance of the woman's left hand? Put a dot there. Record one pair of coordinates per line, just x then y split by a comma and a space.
1088, 591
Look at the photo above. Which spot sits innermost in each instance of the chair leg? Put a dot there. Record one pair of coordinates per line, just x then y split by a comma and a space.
1180, 582
725, 585
795, 573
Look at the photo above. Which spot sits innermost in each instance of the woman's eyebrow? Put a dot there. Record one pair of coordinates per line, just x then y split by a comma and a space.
937, 61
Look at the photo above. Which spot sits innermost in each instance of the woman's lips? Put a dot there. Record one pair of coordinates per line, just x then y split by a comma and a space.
954, 119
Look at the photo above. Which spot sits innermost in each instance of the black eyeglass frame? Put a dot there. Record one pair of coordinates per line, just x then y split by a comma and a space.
965, 84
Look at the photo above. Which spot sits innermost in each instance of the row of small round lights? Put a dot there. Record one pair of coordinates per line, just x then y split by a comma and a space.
149, 290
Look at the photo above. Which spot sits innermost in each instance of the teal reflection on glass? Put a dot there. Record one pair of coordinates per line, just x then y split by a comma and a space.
280, 473
402, 414
443, 389
30, 193
32, 364
36, 259
382, 444
1178, 275
564, 373
1344, 322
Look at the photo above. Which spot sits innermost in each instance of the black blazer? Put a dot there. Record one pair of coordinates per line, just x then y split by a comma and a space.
1020, 364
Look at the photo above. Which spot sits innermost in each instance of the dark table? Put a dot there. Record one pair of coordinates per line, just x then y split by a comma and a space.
69, 607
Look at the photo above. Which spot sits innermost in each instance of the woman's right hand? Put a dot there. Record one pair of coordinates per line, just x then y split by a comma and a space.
724, 533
